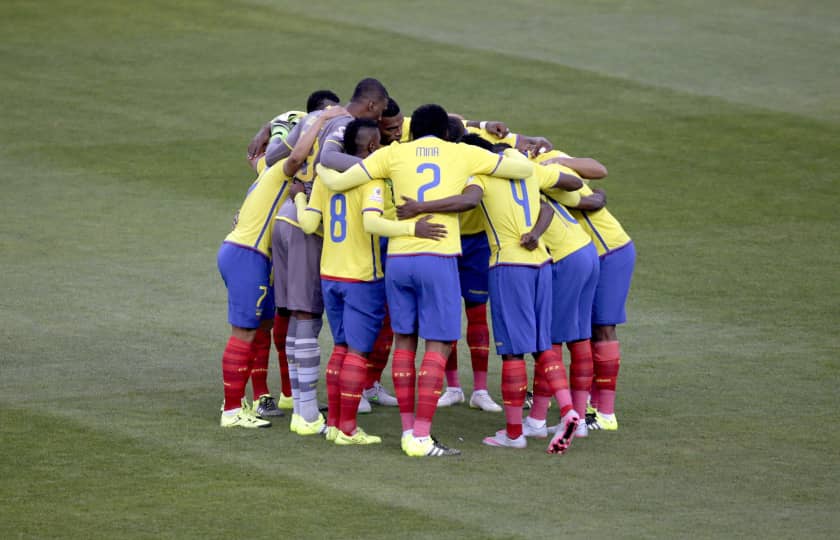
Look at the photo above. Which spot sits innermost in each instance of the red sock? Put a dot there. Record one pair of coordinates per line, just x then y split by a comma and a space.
452, 379
580, 371
542, 395
551, 364
333, 386
429, 384
403, 375
514, 386
607, 360
352, 382
236, 367
378, 358
281, 327
259, 372
478, 339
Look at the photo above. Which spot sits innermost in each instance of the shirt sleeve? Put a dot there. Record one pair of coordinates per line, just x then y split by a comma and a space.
281, 148
378, 225
309, 215
373, 167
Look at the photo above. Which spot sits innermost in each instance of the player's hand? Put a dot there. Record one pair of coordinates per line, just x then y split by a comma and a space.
409, 208
426, 229
602, 193
499, 129
529, 241
334, 112
295, 188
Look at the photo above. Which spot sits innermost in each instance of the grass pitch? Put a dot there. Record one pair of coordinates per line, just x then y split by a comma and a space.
123, 137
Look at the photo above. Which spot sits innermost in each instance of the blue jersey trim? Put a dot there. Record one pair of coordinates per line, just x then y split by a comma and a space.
592, 227
272, 212
493, 230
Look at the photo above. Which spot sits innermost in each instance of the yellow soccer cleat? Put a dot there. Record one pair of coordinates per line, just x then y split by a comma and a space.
293, 424
285, 402
603, 422
360, 437
316, 427
426, 447
332, 433
242, 419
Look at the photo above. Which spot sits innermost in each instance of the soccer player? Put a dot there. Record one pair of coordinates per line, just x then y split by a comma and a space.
575, 272
352, 278
421, 284
617, 258
245, 266
519, 287
296, 255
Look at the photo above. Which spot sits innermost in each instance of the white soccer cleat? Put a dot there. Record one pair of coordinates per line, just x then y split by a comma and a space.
364, 406
379, 396
582, 430
450, 397
530, 429
501, 439
480, 399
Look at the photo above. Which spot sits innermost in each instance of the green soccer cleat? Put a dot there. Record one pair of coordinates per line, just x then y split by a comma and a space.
266, 407
603, 422
316, 427
360, 437
332, 433
242, 419
427, 447
293, 424
285, 402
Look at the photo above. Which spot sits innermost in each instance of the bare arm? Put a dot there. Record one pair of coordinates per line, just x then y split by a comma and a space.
568, 182
593, 202
530, 240
499, 129
467, 200
589, 168
258, 144
304, 144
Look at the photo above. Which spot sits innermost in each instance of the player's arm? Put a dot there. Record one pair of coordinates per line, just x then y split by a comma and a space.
467, 200
308, 215
259, 143
303, 146
588, 168
281, 148
423, 228
333, 156
590, 203
493, 127
372, 167
533, 145
531, 239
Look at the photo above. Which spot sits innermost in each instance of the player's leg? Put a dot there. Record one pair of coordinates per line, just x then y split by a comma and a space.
438, 299
402, 307
608, 311
280, 329
306, 303
247, 288
581, 370
364, 310
377, 360
453, 393
280, 264
333, 295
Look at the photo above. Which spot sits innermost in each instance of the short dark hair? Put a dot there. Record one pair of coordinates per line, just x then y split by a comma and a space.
352, 131
392, 110
319, 99
455, 129
370, 89
429, 119
476, 140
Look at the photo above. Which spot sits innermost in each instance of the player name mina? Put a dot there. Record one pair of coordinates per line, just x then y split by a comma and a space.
426, 151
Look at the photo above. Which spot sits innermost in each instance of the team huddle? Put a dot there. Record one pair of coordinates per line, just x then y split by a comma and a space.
390, 224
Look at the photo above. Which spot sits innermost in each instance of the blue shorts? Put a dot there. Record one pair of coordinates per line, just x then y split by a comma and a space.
520, 308
355, 310
424, 296
473, 265
614, 286
247, 276
574, 279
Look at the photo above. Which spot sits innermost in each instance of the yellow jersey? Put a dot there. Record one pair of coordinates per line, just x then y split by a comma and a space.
349, 253
427, 169
256, 215
510, 209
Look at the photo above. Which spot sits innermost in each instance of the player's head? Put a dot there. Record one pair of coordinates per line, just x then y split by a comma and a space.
369, 99
455, 129
321, 99
390, 125
474, 140
361, 137
429, 120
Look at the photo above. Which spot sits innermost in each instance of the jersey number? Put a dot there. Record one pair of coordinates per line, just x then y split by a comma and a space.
522, 201
338, 217
421, 193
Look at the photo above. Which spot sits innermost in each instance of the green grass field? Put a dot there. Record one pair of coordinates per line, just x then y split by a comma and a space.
122, 145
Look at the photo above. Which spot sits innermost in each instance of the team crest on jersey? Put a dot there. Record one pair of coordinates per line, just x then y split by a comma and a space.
376, 196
